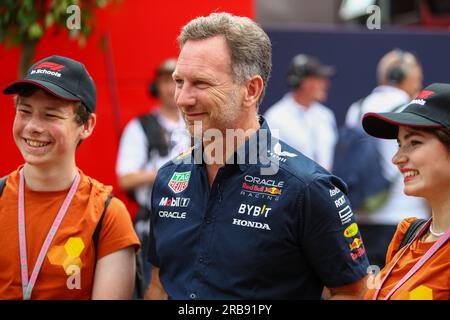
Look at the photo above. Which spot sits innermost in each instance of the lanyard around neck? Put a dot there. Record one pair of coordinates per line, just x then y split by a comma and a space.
417, 266
28, 285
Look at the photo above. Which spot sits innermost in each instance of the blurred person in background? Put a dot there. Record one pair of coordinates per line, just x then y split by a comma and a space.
148, 141
300, 118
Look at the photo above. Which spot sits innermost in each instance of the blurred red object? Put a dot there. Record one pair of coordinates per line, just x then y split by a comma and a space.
435, 13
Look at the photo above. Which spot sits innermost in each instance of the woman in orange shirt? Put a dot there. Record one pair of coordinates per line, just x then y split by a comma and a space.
420, 269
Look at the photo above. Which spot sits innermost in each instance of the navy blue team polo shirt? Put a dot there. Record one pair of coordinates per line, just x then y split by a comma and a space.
253, 236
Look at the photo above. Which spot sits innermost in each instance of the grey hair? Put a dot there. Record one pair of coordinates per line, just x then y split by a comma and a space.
250, 47
396, 58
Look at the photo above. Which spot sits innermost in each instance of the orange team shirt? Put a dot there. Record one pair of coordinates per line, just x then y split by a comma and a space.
72, 249
430, 282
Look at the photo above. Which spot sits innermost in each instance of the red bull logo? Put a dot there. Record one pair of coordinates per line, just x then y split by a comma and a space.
262, 188
351, 230
256, 188
273, 190
252, 187
357, 242
358, 253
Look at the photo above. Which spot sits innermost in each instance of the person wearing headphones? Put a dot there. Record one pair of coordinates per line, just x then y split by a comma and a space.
400, 78
417, 262
300, 118
148, 141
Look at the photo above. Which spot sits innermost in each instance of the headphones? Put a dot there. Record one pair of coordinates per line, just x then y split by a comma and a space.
303, 66
397, 73
166, 67
153, 89
297, 69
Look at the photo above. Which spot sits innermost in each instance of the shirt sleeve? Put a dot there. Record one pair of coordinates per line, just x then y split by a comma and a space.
133, 146
330, 235
117, 230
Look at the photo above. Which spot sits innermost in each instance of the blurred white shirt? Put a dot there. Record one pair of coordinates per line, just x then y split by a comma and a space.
310, 130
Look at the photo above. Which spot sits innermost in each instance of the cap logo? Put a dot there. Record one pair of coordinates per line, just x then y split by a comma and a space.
420, 99
54, 67
49, 65
424, 94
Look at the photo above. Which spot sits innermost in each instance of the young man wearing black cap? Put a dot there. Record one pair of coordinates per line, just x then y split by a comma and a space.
63, 235
301, 119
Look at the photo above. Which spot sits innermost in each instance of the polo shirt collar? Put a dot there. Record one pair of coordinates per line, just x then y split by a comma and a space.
250, 149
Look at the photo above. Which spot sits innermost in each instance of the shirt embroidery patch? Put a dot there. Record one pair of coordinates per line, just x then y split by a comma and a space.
179, 181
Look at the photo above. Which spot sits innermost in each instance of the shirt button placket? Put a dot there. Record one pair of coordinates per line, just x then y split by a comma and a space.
219, 193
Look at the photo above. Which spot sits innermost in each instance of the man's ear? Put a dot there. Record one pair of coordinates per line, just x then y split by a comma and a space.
89, 126
253, 90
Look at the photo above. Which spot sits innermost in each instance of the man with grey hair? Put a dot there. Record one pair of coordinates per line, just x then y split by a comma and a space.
222, 229
399, 77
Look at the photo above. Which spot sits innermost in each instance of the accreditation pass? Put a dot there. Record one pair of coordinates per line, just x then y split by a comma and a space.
225, 309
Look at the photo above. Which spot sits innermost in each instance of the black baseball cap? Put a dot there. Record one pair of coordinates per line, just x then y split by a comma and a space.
303, 65
63, 77
430, 109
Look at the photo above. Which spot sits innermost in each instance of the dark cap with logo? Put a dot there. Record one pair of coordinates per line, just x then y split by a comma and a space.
62, 77
303, 66
430, 109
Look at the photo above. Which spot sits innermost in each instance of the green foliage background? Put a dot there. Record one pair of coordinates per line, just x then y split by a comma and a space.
24, 22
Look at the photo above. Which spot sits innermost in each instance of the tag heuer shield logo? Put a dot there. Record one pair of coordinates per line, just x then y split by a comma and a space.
179, 181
